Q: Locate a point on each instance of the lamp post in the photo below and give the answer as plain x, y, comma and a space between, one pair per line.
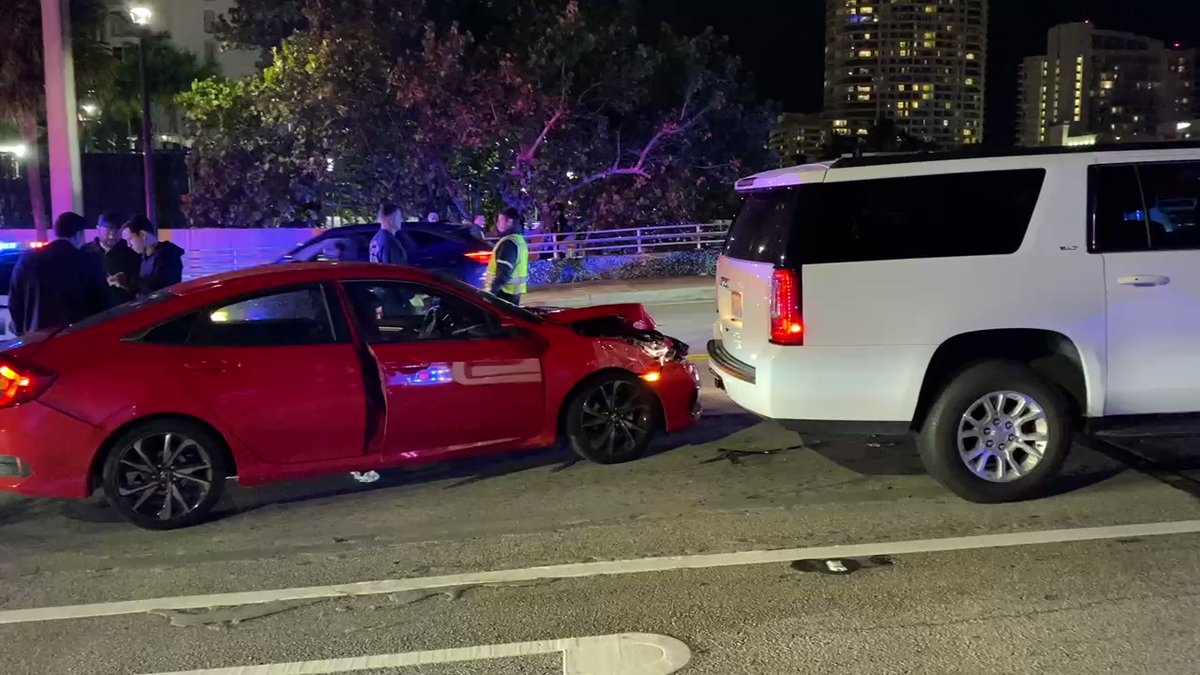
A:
141, 15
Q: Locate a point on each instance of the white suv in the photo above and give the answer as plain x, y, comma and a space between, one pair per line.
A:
989, 304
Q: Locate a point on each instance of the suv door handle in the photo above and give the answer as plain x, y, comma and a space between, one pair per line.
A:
411, 369
207, 365
1144, 280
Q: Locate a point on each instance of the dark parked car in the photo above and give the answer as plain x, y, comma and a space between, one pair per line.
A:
449, 249
8, 260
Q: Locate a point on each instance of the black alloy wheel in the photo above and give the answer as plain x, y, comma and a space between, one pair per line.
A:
165, 474
612, 420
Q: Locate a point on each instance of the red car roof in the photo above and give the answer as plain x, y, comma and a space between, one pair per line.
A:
273, 275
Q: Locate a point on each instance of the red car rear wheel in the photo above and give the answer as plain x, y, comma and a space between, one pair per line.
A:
165, 474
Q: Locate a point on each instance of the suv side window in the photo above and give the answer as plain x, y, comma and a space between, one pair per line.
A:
1117, 210
1172, 195
934, 216
1145, 207
395, 312
282, 318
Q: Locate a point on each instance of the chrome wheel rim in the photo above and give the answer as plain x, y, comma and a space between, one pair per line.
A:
164, 476
1003, 436
617, 417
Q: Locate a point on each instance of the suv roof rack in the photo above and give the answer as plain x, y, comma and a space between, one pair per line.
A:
978, 153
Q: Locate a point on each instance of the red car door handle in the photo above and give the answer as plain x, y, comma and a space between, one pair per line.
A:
408, 370
207, 365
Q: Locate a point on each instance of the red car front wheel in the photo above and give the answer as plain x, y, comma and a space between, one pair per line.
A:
612, 419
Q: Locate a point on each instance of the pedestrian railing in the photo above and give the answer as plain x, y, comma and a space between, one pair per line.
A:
545, 245
628, 241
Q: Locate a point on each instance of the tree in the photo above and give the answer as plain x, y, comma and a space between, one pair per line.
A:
22, 77
170, 71
557, 102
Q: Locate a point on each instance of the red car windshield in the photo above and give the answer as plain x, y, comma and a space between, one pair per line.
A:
502, 305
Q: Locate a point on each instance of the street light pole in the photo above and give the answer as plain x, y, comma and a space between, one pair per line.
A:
141, 16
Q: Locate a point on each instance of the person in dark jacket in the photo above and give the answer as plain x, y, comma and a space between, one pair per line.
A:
162, 261
59, 283
121, 263
391, 244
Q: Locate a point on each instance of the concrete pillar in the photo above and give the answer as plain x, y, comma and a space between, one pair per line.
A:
66, 184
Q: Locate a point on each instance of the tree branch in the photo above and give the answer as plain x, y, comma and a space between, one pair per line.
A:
526, 155
667, 130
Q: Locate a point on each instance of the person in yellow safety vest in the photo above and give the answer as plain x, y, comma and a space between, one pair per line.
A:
508, 272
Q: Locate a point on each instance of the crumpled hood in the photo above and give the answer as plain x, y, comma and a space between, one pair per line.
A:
632, 314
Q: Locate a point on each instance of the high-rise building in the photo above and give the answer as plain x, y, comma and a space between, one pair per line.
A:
1102, 85
797, 138
918, 62
191, 25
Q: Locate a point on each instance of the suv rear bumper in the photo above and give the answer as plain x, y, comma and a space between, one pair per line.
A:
826, 389
739, 369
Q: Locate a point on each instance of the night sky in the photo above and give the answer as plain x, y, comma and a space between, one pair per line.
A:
781, 42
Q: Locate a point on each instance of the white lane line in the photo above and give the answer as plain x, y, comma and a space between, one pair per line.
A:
620, 654
573, 570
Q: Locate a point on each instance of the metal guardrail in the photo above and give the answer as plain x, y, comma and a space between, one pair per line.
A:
625, 241
628, 241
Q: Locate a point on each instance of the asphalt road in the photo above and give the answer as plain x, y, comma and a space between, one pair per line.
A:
950, 602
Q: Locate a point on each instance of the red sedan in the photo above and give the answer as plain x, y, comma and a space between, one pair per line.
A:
295, 371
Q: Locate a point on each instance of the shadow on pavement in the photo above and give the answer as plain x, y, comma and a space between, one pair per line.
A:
1167, 460
462, 472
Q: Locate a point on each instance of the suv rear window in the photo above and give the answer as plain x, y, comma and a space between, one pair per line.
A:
943, 215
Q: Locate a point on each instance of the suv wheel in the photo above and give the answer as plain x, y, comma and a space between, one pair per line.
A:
997, 432
165, 474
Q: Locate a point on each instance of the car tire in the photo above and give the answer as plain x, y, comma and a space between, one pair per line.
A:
612, 419
165, 474
1014, 455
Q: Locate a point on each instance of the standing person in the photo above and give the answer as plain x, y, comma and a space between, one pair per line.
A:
387, 246
58, 284
508, 272
162, 261
479, 231
121, 263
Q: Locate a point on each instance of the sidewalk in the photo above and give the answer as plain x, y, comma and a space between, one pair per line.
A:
645, 291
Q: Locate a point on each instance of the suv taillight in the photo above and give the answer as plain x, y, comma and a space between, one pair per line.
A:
21, 384
787, 326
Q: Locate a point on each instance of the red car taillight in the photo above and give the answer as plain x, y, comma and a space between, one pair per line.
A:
21, 384
787, 326
483, 257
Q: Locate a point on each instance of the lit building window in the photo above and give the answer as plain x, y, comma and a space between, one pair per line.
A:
864, 53
970, 56
902, 87
930, 9
839, 123
927, 87
867, 10
970, 81
902, 105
